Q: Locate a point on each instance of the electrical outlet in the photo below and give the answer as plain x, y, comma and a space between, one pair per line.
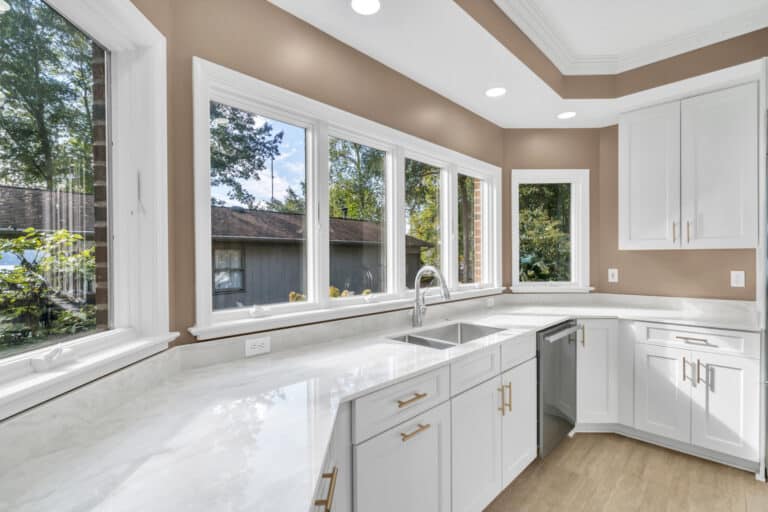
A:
490, 302
613, 275
257, 346
737, 279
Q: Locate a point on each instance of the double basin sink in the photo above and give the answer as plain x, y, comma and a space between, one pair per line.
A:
447, 336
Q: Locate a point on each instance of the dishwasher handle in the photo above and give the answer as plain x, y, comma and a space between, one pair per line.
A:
561, 334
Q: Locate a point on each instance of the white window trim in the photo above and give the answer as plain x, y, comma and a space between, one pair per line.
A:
138, 214
579, 180
217, 83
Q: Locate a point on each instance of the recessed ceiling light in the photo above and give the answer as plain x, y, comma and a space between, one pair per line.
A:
4, 7
363, 7
566, 115
495, 92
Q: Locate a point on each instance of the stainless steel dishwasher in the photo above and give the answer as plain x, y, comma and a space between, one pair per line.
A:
556, 351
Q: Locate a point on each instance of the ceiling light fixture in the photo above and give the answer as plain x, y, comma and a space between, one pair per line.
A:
495, 92
362, 7
4, 7
566, 115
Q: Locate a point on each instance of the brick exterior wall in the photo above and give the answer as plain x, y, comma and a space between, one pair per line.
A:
100, 178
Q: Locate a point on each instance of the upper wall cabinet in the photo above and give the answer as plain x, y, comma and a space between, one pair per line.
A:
688, 173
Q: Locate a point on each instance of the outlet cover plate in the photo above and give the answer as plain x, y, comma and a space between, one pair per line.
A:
257, 346
613, 275
737, 279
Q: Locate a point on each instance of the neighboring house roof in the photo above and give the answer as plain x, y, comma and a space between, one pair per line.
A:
44, 210
242, 224
21, 208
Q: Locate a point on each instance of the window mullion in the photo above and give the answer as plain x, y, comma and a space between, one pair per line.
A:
318, 252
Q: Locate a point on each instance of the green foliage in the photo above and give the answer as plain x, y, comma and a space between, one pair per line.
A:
422, 199
240, 150
356, 188
466, 214
28, 307
45, 121
545, 241
293, 202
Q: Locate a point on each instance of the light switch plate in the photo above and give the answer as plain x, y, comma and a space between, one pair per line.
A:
257, 346
737, 279
613, 275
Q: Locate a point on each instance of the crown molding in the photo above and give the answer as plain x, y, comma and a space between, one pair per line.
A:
534, 23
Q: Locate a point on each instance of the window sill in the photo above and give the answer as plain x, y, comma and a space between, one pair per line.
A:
247, 324
549, 289
86, 360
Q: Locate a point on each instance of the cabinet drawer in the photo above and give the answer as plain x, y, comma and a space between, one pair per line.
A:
518, 350
390, 406
746, 344
475, 368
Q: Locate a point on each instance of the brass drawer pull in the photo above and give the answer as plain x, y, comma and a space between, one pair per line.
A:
694, 341
509, 393
688, 230
674, 232
406, 403
583, 335
685, 363
698, 371
421, 428
327, 503
503, 407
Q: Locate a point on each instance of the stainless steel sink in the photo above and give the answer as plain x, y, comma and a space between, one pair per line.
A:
448, 336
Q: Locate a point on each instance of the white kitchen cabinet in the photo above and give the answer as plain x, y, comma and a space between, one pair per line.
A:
407, 468
334, 491
518, 425
649, 178
688, 173
662, 391
476, 448
597, 371
719, 169
725, 406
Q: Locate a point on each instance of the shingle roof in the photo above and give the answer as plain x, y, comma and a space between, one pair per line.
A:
21, 208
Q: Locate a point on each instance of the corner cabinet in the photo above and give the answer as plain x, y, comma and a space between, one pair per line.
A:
688, 173
597, 362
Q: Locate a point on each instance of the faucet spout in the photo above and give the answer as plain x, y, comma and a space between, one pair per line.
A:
420, 307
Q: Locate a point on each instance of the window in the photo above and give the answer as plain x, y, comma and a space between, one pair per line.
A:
228, 270
258, 196
422, 219
305, 213
470, 224
54, 265
550, 210
357, 222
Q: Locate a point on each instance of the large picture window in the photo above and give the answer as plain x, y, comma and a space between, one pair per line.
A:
258, 199
550, 210
54, 264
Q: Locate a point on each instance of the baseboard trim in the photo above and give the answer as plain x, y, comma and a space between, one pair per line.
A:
689, 449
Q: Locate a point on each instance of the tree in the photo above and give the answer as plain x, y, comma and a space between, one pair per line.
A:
422, 199
356, 188
293, 202
466, 196
545, 242
46, 77
241, 146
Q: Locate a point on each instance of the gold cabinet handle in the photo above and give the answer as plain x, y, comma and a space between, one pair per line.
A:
685, 363
421, 428
327, 503
688, 230
698, 371
406, 403
583, 335
674, 232
503, 407
693, 341
509, 394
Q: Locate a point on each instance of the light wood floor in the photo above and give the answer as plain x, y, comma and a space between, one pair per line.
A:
606, 472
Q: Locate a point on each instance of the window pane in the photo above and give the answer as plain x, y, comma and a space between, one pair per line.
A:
53, 180
357, 229
470, 229
545, 232
422, 218
258, 184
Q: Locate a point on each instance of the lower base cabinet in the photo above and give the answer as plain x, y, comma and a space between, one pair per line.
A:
334, 490
494, 436
407, 468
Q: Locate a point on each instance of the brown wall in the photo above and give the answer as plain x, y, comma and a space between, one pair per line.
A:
701, 273
259, 39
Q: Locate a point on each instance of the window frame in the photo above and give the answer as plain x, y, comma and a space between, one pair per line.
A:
578, 179
213, 82
138, 220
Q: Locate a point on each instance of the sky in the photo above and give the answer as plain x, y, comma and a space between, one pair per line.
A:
290, 167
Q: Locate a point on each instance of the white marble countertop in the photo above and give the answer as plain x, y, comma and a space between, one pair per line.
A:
249, 434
